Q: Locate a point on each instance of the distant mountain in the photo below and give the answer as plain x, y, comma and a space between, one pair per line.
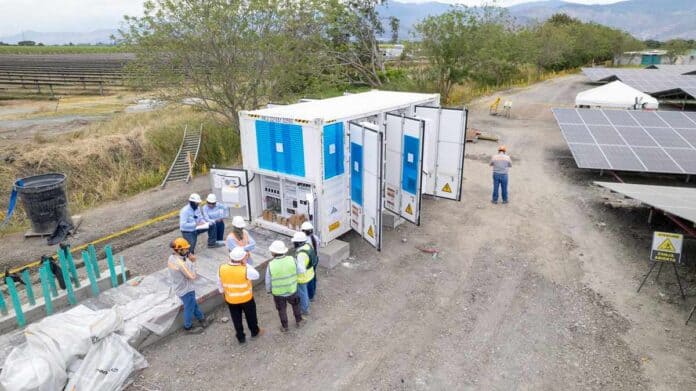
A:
60, 38
645, 19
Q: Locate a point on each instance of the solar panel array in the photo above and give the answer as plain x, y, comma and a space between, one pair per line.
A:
651, 81
643, 141
679, 69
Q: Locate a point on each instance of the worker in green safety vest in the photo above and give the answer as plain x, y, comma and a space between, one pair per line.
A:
281, 281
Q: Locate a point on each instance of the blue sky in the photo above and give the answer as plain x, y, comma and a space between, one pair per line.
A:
88, 15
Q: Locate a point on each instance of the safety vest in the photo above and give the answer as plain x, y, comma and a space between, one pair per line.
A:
283, 276
308, 275
236, 286
241, 243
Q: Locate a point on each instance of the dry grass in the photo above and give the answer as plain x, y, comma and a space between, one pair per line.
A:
110, 160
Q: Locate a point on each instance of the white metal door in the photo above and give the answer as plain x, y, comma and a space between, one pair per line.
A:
366, 163
450, 134
404, 166
230, 186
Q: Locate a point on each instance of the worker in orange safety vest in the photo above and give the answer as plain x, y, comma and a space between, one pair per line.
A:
234, 282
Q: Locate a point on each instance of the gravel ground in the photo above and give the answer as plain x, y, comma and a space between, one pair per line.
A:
537, 294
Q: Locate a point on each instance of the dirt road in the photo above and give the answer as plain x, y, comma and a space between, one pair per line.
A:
537, 294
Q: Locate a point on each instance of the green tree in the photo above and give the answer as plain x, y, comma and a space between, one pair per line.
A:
229, 54
676, 48
394, 25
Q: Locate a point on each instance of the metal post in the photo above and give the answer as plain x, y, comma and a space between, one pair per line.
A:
112, 268
30, 289
3, 305
678, 280
51, 279
95, 262
16, 303
66, 278
90, 274
73, 268
123, 269
690, 315
44, 272
659, 270
646, 276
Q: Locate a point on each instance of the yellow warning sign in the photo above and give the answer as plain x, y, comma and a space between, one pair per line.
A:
334, 226
371, 232
667, 246
409, 210
446, 188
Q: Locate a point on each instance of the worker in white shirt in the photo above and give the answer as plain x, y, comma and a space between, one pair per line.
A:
215, 214
240, 237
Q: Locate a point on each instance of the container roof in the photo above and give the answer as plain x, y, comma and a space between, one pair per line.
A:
346, 107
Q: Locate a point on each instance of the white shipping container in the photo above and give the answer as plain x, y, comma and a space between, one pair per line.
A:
342, 162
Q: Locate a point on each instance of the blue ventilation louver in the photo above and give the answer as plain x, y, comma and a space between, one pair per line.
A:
333, 150
280, 147
409, 175
356, 161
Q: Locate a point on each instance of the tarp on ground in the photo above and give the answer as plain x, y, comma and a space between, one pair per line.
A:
615, 95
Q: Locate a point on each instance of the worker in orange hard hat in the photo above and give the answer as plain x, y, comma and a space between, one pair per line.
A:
182, 272
501, 163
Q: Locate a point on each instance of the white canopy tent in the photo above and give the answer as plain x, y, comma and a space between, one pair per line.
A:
615, 95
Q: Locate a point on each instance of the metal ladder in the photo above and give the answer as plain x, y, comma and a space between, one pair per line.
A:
182, 167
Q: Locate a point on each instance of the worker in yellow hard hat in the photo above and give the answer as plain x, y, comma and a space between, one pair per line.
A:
182, 273
501, 163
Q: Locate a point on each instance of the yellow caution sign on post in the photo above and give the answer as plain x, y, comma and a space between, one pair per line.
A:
409, 210
446, 188
371, 232
666, 247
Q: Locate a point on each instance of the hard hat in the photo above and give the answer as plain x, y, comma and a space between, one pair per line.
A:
238, 253
180, 244
278, 247
211, 198
299, 237
238, 222
502, 148
307, 226
194, 197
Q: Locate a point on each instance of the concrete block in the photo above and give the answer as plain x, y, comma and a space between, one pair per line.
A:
333, 253
390, 220
38, 311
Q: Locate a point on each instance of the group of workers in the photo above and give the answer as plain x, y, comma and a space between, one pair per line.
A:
290, 275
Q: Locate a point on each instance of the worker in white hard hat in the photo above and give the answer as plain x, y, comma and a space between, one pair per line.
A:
240, 237
501, 164
313, 240
281, 281
191, 221
215, 214
305, 256
234, 282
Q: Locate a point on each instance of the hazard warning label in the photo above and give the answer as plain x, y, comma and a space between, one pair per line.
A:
409, 209
371, 232
666, 247
446, 188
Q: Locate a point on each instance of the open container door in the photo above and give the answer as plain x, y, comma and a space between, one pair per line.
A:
404, 166
231, 187
450, 132
366, 161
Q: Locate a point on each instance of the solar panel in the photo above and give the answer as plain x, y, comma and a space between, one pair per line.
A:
679, 201
651, 81
642, 141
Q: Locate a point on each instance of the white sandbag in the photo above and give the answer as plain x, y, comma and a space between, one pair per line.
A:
107, 366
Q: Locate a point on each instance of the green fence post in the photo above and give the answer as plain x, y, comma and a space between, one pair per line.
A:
112, 268
123, 269
3, 305
45, 274
30, 289
16, 303
95, 263
90, 273
51, 278
66, 278
71, 265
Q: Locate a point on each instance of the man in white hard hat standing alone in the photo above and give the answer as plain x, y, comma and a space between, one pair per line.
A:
191, 221
313, 241
239, 237
215, 214
501, 163
281, 281
305, 256
234, 282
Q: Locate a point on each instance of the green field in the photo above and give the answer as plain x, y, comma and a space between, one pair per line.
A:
61, 49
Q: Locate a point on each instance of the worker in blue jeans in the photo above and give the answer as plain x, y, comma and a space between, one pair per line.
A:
501, 163
182, 273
